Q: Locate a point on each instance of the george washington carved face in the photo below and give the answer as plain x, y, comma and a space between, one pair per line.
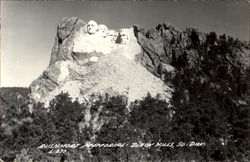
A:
92, 27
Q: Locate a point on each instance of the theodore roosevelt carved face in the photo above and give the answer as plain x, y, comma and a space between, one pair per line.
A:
112, 34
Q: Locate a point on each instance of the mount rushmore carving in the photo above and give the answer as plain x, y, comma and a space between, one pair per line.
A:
90, 60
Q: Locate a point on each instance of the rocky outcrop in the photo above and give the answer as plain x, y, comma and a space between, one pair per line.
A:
88, 59
163, 45
66, 32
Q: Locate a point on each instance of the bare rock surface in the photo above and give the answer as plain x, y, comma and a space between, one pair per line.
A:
163, 45
89, 59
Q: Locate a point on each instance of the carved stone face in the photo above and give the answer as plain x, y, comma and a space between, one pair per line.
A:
124, 36
103, 30
92, 27
112, 35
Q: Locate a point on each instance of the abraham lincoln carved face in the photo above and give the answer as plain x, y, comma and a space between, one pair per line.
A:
124, 36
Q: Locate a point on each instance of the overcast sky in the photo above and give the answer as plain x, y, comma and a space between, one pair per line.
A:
29, 27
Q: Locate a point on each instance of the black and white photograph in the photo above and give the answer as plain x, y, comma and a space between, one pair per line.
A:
125, 81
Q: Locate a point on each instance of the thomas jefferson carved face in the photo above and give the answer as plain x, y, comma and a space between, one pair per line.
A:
124, 36
92, 27
112, 35
103, 30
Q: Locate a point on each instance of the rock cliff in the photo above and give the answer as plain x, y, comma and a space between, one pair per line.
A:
89, 60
